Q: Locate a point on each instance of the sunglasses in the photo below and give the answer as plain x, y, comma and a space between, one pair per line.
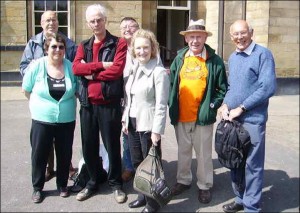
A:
60, 47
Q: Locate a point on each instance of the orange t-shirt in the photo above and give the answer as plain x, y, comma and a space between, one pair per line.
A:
193, 80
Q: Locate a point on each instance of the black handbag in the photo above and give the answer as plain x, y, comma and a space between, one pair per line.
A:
149, 178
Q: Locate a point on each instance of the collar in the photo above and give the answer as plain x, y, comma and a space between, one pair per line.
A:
148, 68
201, 55
248, 50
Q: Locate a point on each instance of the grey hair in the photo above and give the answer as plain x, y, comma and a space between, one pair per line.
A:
93, 7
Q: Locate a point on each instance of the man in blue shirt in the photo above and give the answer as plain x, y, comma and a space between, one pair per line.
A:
34, 50
252, 81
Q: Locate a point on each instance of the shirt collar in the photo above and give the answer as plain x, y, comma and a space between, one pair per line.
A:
201, 55
248, 50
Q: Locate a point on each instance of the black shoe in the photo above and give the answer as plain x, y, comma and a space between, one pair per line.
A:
178, 188
232, 207
63, 192
137, 203
85, 194
37, 196
148, 209
204, 196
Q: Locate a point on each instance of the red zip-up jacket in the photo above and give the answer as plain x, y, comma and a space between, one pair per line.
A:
99, 73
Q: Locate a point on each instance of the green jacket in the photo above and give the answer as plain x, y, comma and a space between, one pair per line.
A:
214, 93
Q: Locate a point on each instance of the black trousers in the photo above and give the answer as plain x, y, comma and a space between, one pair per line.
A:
41, 138
105, 119
139, 146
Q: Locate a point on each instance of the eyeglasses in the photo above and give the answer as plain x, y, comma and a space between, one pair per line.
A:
129, 26
60, 47
49, 20
236, 34
98, 21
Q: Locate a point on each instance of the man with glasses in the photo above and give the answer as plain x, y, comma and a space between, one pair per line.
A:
34, 50
99, 63
252, 82
128, 26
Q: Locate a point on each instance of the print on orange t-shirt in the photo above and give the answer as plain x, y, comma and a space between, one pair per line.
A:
193, 80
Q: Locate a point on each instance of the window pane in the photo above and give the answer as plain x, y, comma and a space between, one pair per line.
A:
62, 5
180, 3
63, 30
37, 18
164, 3
51, 5
62, 18
39, 5
38, 30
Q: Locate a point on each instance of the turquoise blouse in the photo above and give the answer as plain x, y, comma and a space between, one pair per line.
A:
42, 106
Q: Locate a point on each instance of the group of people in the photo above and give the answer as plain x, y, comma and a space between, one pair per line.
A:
124, 92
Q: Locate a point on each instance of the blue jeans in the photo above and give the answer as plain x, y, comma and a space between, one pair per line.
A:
247, 183
126, 154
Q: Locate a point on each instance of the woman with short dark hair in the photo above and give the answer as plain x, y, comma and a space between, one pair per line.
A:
50, 86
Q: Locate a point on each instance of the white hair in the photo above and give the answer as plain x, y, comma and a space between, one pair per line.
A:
94, 7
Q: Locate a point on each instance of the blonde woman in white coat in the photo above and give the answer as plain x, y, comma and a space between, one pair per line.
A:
144, 117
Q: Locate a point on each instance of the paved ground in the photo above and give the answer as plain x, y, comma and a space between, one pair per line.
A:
281, 187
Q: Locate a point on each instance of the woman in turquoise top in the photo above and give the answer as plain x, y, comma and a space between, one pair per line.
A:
50, 86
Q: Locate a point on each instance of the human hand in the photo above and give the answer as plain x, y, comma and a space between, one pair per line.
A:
107, 64
223, 112
124, 129
235, 113
89, 77
155, 138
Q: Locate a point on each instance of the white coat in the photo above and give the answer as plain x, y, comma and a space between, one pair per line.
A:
151, 96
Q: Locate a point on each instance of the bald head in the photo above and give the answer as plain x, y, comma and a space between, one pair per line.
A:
240, 24
241, 34
49, 22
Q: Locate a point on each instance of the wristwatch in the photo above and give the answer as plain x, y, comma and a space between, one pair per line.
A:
243, 107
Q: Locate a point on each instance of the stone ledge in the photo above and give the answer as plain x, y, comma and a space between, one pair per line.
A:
12, 48
287, 86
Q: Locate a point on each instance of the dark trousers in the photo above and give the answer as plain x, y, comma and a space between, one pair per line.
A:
105, 119
139, 145
41, 138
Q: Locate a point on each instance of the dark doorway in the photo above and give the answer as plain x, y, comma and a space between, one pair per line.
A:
169, 24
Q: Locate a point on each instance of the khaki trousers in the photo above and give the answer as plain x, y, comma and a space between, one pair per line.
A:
189, 136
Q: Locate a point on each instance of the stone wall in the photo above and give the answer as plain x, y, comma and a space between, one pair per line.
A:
115, 11
284, 37
13, 23
275, 23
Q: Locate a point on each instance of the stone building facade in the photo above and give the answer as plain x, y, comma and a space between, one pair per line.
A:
275, 24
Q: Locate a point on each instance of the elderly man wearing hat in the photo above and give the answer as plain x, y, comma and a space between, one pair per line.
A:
198, 86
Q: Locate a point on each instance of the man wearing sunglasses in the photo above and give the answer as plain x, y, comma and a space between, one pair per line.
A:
34, 50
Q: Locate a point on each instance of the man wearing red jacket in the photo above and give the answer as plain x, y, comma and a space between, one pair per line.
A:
99, 63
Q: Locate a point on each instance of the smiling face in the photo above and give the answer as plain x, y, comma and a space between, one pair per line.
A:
49, 23
241, 35
56, 50
196, 41
128, 27
142, 49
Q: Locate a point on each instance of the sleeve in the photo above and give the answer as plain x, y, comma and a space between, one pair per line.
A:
26, 58
115, 71
267, 82
221, 85
82, 69
162, 86
29, 77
